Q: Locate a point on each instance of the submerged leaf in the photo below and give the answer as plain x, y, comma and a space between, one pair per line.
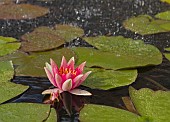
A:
8, 45
26, 112
8, 89
144, 25
21, 11
107, 79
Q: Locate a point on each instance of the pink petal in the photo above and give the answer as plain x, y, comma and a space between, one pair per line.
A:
54, 67
50, 76
58, 80
80, 92
68, 76
84, 77
70, 64
67, 85
76, 80
80, 68
63, 62
49, 91
48, 66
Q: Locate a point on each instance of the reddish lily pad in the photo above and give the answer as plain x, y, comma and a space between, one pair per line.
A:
151, 105
45, 38
8, 45
69, 32
21, 11
107, 79
144, 25
32, 65
27, 112
40, 41
8, 89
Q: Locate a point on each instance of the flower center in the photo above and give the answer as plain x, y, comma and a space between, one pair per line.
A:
66, 71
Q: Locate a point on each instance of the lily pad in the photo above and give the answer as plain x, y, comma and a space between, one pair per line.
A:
26, 112
121, 60
21, 11
163, 15
32, 65
144, 25
167, 1
167, 55
8, 45
8, 89
69, 32
40, 41
107, 79
151, 105
100, 113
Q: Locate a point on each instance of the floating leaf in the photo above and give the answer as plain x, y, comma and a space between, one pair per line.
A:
111, 60
163, 15
8, 89
32, 65
26, 112
167, 49
100, 113
167, 1
151, 105
40, 41
8, 45
106, 79
21, 11
144, 25
167, 55
69, 32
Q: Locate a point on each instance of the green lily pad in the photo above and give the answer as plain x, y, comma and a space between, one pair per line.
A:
26, 112
167, 1
127, 58
32, 65
21, 11
8, 45
8, 89
69, 32
167, 55
151, 105
40, 41
163, 15
100, 113
167, 49
107, 79
144, 25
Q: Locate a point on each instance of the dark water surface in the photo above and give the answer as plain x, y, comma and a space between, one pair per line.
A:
96, 17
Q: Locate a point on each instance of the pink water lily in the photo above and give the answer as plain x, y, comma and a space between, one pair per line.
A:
66, 77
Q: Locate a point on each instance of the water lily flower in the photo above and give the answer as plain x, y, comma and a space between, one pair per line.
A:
66, 77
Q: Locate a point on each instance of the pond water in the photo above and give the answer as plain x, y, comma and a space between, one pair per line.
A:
95, 17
